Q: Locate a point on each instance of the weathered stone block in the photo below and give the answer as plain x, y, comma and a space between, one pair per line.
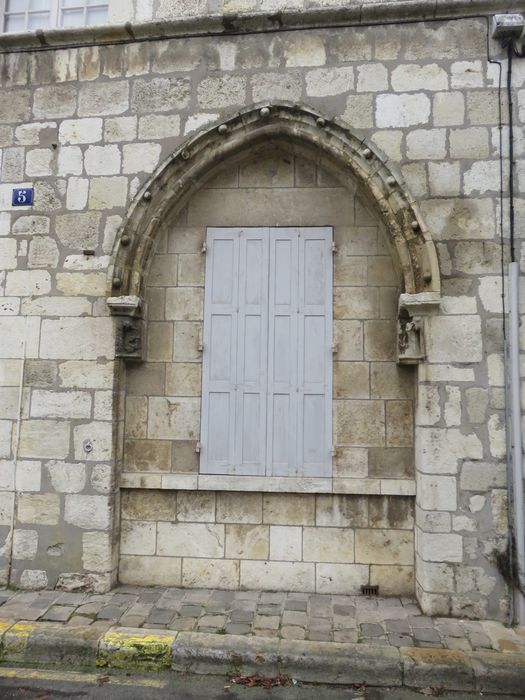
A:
439, 547
356, 303
121, 129
211, 573
437, 492
393, 580
439, 449
67, 477
97, 551
108, 192
304, 50
359, 423
54, 404
402, 110
413, 77
102, 160
288, 509
482, 476
55, 101
183, 379
267, 87
101, 98
384, 547
334, 544
39, 162
44, 438
25, 544
277, 576
141, 157
138, 537
196, 507
426, 144
28, 283
454, 339
176, 418
247, 542
74, 131
399, 423
330, 81
190, 539
184, 303
86, 374
77, 338
93, 441
160, 95
38, 509
234, 507
28, 476
139, 504
396, 512
341, 511
88, 512
286, 543
150, 571
351, 380
342, 579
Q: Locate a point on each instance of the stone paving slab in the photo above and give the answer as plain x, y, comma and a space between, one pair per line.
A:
387, 622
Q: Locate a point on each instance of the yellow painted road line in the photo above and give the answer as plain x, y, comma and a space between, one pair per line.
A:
78, 677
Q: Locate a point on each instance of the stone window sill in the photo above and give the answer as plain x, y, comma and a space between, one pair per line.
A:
208, 482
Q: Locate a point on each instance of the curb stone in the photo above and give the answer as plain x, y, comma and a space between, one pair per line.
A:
136, 649
435, 668
130, 649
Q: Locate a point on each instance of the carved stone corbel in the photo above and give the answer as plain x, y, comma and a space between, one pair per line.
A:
412, 310
127, 311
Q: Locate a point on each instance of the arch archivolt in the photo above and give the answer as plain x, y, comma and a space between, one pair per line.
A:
304, 131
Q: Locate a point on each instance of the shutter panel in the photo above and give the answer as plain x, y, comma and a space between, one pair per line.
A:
314, 357
219, 352
282, 355
252, 352
300, 358
233, 433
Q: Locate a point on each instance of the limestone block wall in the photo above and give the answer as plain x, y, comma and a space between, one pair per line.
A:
297, 542
88, 125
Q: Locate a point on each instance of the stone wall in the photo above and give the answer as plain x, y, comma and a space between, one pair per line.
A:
87, 126
323, 543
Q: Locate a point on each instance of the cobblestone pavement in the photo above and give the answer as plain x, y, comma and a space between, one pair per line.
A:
355, 619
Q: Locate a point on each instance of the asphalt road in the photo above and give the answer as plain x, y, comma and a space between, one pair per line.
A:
33, 684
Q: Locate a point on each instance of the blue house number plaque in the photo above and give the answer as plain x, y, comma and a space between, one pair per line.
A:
22, 197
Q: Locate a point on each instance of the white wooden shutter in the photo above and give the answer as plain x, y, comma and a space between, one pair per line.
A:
300, 359
314, 355
267, 364
252, 353
282, 354
233, 432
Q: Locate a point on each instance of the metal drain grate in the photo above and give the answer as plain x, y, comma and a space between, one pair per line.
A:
370, 590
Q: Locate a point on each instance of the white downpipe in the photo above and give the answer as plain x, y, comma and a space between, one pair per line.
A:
517, 441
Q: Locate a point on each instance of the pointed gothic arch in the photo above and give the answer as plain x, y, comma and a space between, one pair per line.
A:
331, 144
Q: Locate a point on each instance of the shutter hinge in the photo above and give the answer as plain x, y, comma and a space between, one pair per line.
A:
204, 248
334, 248
333, 451
335, 348
200, 347
198, 447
